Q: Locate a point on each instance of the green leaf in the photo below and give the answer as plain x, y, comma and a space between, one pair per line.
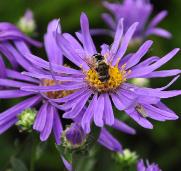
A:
18, 165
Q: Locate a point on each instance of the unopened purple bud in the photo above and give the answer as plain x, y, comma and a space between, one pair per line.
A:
75, 135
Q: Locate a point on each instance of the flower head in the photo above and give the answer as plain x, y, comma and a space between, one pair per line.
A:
135, 11
114, 89
148, 167
12, 82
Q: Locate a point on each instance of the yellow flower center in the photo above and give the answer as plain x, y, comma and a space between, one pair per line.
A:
116, 78
55, 94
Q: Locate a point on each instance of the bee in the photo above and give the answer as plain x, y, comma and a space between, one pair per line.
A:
141, 111
101, 67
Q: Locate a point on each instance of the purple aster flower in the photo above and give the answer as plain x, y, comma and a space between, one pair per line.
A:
106, 87
47, 119
149, 167
134, 11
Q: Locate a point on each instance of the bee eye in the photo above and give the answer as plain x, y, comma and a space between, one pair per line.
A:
98, 57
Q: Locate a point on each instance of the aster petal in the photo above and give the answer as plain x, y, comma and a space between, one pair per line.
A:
107, 140
78, 106
165, 73
46, 65
52, 88
125, 42
146, 62
77, 93
157, 19
135, 58
118, 104
57, 127
159, 32
6, 94
11, 34
10, 50
139, 119
117, 37
76, 45
67, 165
109, 20
121, 126
48, 76
151, 92
148, 69
9, 56
53, 51
18, 108
3, 68
70, 52
87, 40
40, 120
166, 114
7, 125
12, 83
164, 107
45, 133
18, 76
88, 115
99, 111
108, 111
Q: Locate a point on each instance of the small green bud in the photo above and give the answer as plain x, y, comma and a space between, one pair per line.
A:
126, 158
27, 23
142, 82
26, 120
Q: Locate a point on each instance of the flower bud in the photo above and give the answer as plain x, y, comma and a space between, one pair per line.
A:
26, 120
74, 136
127, 157
27, 23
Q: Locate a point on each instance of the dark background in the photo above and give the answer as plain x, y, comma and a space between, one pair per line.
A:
162, 144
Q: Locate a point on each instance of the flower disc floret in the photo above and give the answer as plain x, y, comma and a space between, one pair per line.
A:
117, 77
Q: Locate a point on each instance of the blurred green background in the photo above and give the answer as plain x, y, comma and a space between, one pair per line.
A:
161, 145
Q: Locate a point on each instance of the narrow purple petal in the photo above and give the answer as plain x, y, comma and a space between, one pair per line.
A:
78, 106
159, 32
125, 42
40, 120
2, 68
139, 119
107, 140
57, 127
67, 165
19, 76
7, 125
98, 111
109, 20
18, 108
108, 111
117, 37
88, 115
53, 51
45, 133
148, 69
6, 94
157, 19
87, 40
135, 58
121, 126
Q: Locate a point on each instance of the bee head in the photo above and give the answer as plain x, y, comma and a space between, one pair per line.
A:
98, 57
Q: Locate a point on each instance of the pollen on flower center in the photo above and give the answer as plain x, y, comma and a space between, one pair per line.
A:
55, 94
116, 78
